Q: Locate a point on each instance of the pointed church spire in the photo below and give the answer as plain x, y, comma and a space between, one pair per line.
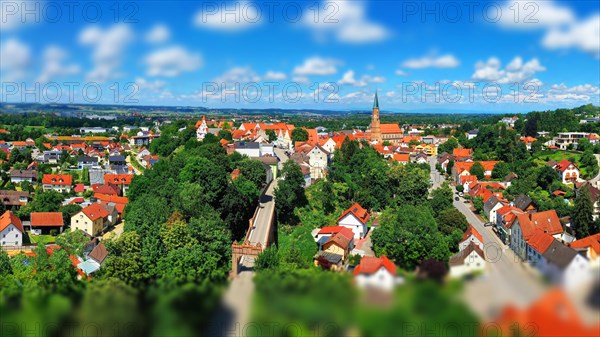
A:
376, 101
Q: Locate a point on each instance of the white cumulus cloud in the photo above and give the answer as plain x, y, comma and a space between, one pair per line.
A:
16, 59
584, 35
54, 57
172, 61
317, 66
108, 48
347, 21
515, 71
274, 76
444, 61
158, 34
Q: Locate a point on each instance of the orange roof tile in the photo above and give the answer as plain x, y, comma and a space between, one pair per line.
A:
540, 241
9, 218
57, 179
47, 219
118, 179
95, 212
360, 213
472, 231
371, 264
592, 241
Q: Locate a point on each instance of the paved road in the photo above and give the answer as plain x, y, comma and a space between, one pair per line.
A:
128, 161
594, 181
436, 177
264, 217
509, 279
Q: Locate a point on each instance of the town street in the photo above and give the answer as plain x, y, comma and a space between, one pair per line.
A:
507, 280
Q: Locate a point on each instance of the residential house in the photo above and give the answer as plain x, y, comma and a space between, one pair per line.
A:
402, 158
356, 219
118, 202
11, 230
492, 205
318, 159
271, 165
505, 217
201, 129
335, 250
537, 246
467, 261
84, 162
14, 199
420, 158
528, 141
95, 259
121, 180
509, 121
472, 133
254, 149
565, 266
568, 172
376, 273
462, 154
57, 182
19, 176
107, 189
464, 168
524, 226
91, 220
524, 203
564, 139
590, 248
325, 233
471, 236
44, 222
116, 161
52, 157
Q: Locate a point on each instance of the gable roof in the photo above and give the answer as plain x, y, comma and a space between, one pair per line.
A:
459, 258
118, 179
360, 213
547, 221
99, 253
108, 189
345, 231
57, 179
120, 202
553, 315
9, 218
592, 241
340, 240
371, 264
563, 165
95, 212
462, 152
540, 241
559, 254
390, 128
472, 231
47, 219
522, 201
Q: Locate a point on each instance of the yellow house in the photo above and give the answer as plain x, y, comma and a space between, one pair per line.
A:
428, 149
90, 220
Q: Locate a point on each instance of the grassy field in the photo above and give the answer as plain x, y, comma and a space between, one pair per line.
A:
543, 157
44, 239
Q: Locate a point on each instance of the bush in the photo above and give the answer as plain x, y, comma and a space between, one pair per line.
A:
460, 188
53, 232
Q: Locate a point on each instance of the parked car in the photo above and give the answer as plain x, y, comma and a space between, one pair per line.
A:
487, 224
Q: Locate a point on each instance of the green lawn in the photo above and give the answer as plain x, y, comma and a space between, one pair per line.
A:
44, 239
543, 157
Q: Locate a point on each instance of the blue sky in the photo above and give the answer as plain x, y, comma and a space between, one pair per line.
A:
482, 56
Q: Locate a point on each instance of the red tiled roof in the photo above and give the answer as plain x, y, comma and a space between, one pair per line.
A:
592, 241
472, 231
77, 201
487, 165
57, 179
95, 211
47, 219
10, 218
390, 128
120, 202
345, 231
547, 221
360, 213
553, 315
540, 241
118, 179
401, 157
469, 178
108, 189
79, 188
458, 152
563, 165
370, 265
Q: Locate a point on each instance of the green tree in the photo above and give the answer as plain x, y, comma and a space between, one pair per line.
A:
299, 135
449, 167
406, 244
441, 198
500, 170
546, 177
583, 214
289, 193
448, 146
452, 219
124, 261
73, 242
272, 135
254, 171
224, 134
5, 268
269, 258
478, 170
478, 204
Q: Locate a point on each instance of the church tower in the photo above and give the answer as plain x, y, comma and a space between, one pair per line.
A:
375, 127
